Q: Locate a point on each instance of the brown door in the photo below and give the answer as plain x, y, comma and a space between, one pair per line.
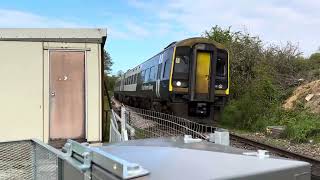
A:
67, 102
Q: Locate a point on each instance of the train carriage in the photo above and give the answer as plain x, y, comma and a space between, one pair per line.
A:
189, 78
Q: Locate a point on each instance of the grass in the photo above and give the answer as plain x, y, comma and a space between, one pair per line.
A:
301, 126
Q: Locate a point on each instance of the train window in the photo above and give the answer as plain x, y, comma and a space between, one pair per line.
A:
167, 56
132, 79
159, 71
135, 78
152, 73
146, 76
142, 75
221, 66
181, 63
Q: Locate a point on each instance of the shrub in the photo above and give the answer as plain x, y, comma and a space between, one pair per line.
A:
253, 109
261, 78
302, 126
315, 57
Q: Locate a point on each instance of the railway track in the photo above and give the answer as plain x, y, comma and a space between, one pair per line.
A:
315, 164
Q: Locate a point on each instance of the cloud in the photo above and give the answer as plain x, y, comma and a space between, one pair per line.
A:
275, 20
14, 18
137, 30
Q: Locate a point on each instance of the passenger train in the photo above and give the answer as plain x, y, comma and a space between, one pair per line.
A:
189, 78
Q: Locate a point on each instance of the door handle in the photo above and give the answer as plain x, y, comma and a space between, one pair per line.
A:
53, 94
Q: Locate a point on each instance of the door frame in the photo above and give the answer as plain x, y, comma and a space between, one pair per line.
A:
85, 87
213, 56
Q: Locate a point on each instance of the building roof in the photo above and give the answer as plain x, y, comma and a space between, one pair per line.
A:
72, 35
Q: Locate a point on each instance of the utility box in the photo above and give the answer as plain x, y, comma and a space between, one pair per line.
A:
51, 84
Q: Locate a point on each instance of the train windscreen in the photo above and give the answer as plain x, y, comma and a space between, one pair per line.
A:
181, 67
222, 70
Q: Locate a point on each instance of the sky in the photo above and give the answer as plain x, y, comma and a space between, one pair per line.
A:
138, 29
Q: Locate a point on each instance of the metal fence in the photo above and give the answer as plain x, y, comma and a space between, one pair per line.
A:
34, 160
137, 123
27, 160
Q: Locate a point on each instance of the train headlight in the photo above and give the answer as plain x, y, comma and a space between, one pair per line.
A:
220, 86
180, 84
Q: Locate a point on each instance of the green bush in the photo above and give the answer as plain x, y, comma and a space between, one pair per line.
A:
262, 77
301, 126
315, 57
253, 110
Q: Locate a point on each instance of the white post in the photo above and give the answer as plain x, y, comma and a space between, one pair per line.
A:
221, 136
124, 133
110, 130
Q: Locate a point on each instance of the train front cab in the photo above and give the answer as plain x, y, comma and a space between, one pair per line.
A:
199, 80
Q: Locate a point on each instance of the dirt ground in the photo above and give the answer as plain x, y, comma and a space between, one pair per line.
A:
307, 95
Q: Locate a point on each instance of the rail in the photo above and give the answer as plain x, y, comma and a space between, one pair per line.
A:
315, 164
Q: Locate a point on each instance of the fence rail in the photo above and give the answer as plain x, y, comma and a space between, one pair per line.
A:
134, 123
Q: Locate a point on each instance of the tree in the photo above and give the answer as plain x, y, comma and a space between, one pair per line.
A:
315, 56
260, 76
107, 62
119, 73
245, 52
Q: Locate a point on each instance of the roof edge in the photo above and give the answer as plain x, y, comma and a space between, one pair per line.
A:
93, 35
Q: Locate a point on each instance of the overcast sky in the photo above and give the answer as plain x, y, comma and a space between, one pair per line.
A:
139, 29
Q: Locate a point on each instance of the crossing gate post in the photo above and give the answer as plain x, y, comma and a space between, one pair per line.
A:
123, 122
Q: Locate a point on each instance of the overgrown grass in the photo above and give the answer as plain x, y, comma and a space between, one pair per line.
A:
301, 126
251, 115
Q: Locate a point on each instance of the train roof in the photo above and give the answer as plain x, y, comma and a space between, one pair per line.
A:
195, 40
185, 42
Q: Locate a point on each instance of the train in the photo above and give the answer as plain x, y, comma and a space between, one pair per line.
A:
189, 78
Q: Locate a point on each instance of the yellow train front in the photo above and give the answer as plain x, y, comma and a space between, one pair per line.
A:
189, 78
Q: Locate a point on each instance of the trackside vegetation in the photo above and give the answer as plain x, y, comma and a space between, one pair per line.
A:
262, 77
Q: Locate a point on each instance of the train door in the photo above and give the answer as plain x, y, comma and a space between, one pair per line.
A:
203, 73
67, 95
159, 75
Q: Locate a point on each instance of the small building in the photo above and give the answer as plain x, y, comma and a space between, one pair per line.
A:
51, 84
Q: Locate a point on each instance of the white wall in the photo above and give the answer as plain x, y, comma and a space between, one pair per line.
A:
24, 89
21, 84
